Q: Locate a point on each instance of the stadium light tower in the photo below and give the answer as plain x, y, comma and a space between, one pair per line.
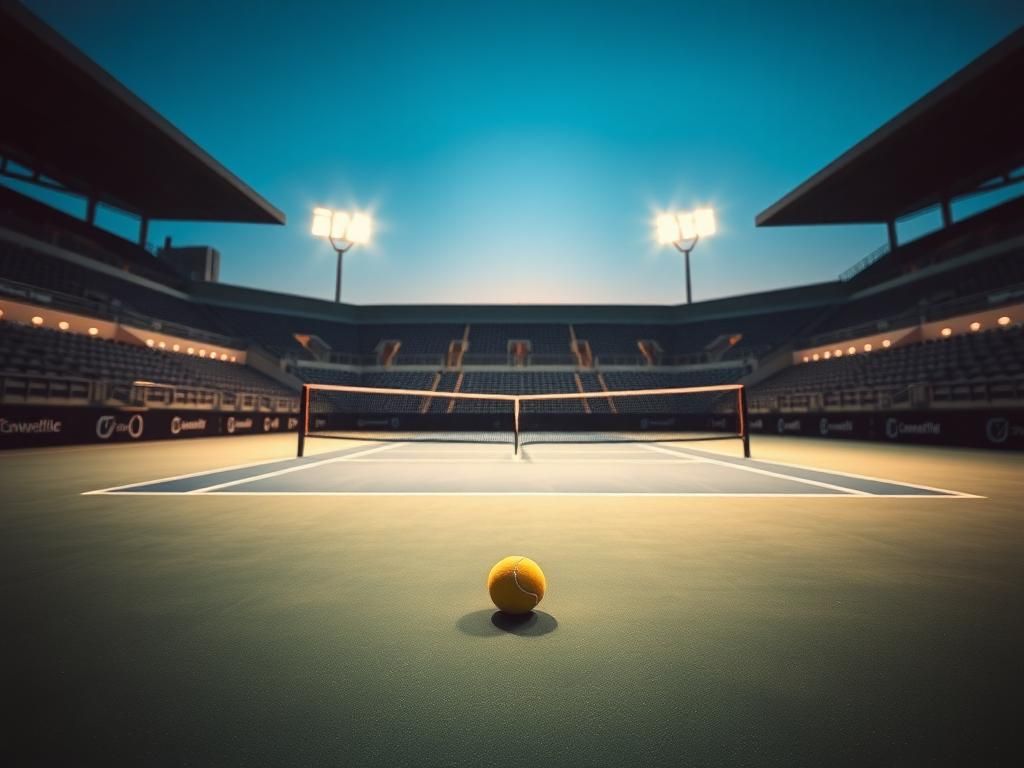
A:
342, 230
684, 229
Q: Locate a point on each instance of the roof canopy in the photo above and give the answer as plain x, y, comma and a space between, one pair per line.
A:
68, 119
966, 131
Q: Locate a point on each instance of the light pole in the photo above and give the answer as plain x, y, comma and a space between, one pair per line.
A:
684, 229
342, 230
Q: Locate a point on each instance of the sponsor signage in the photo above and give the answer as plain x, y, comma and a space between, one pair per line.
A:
120, 426
42, 426
184, 425
940, 427
26, 426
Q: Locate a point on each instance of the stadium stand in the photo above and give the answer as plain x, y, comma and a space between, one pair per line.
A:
427, 342
608, 341
27, 352
49, 260
113, 296
979, 367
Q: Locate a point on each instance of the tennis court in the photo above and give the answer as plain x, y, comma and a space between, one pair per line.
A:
551, 466
331, 610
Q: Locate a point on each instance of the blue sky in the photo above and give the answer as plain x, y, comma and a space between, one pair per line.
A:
517, 152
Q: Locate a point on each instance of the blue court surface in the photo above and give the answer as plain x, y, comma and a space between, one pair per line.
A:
541, 469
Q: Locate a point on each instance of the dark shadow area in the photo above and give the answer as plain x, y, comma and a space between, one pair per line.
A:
491, 623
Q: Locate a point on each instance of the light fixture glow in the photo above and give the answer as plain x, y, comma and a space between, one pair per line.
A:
339, 225
191, 350
946, 331
806, 358
704, 221
202, 353
149, 342
851, 350
975, 326
233, 359
360, 229
63, 325
162, 345
816, 356
886, 343
838, 353
867, 347
827, 355
321, 222
1004, 320
37, 320
94, 331
668, 229
687, 226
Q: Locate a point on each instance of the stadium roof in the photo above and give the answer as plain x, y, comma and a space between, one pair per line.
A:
68, 119
961, 134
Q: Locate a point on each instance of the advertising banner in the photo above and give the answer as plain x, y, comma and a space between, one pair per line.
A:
982, 429
27, 426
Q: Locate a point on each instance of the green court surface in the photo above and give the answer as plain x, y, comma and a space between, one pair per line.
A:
293, 629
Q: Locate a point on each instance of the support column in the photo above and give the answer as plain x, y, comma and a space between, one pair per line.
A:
890, 228
689, 296
143, 230
90, 210
337, 283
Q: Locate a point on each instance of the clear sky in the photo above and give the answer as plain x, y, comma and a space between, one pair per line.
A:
517, 151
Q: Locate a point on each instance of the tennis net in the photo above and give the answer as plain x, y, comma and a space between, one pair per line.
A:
645, 415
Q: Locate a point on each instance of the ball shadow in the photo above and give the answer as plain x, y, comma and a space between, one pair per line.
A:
491, 623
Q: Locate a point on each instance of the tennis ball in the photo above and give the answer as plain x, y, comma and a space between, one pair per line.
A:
516, 584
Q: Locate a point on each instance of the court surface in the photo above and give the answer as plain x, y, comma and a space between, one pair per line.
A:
797, 625
542, 468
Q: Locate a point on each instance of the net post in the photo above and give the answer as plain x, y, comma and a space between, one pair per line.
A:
303, 419
741, 395
515, 431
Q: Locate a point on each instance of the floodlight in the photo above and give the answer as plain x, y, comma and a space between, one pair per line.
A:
343, 229
668, 229
683, 229
704, 221
687, 226
360, 229
321, 222
339, 225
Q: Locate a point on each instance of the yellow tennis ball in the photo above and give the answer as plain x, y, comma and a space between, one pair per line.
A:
516, 584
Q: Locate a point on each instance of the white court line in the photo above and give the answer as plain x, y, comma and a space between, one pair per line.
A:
185, 477
289, 470
611, 494
769, 473
500, 462
875, 479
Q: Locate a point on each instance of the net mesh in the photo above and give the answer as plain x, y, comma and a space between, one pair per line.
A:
381, 414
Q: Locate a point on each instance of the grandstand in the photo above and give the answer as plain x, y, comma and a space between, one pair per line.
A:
93, 321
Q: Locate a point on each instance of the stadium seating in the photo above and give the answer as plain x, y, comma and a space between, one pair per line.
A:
980, 366
43, 352
617, 340
529, 383
417, 341
122, 299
